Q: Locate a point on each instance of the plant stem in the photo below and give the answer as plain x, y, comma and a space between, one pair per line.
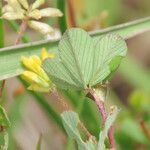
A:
101, 106
145, 129
1, 45
111, 138
23, 28
71, 14
61, 4
2, 87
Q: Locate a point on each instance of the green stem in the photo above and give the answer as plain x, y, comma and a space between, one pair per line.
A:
61, 4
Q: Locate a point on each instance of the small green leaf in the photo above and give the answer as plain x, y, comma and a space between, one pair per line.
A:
103, 134
70, 122
84, 61
4, 121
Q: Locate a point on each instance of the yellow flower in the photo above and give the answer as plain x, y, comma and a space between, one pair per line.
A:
45, 54
21, 10
34, 74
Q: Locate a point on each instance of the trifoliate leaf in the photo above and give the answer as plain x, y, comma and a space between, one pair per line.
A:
70, 122
51, 12
37, 4
83, 61
41, 27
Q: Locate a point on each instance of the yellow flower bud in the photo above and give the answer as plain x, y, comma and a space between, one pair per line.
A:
33, 63
33, 78
35, 75
35, 87
45, 54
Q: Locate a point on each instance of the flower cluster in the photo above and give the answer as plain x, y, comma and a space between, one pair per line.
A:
35, 75
21, 10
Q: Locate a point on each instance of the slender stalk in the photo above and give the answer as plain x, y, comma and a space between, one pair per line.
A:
101, 106
145, 129
23, 28
2, 87
1, 29
71, 14
111, 138
1, 46
61, 4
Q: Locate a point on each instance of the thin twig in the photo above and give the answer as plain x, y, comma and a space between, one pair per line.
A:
71, 14
2, 87
66, 107
145, 129
23, 28
111, 138
101, 106
85, 130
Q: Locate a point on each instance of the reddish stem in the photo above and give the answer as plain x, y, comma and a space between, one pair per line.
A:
111, 138
71, 15
2, 87
23, 27
101, 106
145, 129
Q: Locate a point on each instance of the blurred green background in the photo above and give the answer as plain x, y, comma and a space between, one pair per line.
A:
129, 89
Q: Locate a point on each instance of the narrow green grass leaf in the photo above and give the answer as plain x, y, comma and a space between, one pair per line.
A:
1, 30
61, 4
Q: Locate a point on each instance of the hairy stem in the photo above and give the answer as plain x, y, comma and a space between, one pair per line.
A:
101, 106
